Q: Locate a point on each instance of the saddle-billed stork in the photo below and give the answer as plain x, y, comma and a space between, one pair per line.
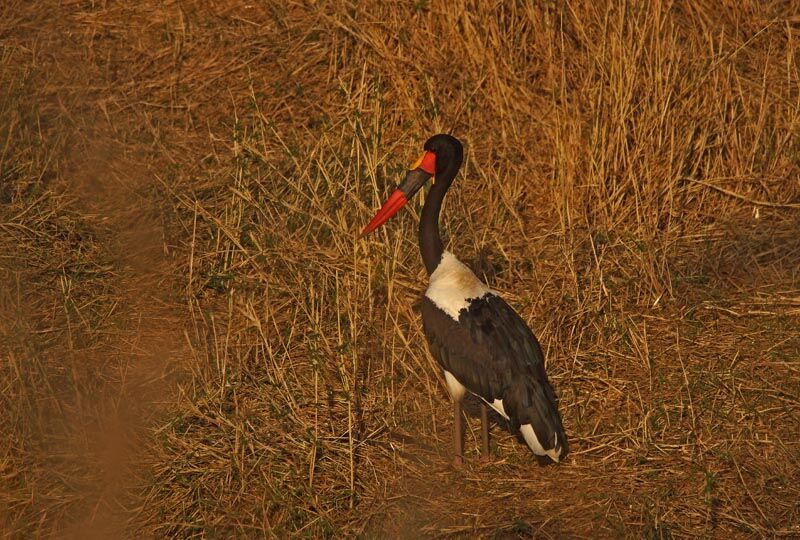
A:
480, 342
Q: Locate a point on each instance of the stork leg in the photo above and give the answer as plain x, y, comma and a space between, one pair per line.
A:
485, 431
458, 433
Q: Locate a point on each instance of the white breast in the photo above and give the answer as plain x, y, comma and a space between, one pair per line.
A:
453, 285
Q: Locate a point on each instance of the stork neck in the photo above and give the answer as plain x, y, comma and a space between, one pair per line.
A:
430, 242
449, 156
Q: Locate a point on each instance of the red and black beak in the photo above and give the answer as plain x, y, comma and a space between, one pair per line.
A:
422, 171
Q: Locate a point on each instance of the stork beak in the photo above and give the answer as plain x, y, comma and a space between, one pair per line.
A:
412, 183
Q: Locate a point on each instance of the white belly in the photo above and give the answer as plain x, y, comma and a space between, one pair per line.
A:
457, 390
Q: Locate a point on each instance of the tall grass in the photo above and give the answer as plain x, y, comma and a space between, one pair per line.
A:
630, 186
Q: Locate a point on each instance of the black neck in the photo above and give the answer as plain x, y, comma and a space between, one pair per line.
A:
430, 242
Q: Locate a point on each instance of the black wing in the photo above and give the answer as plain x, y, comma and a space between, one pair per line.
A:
492, 352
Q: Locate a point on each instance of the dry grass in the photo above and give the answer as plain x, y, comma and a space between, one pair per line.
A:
196, 344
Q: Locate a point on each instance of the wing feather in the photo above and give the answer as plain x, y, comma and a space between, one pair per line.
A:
494, 354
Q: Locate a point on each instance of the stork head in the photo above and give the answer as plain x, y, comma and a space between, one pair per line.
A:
440, 160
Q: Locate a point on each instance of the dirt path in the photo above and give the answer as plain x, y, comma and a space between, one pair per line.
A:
148, 346
95, 299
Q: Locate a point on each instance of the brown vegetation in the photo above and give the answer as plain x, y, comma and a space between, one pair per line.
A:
195, 343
